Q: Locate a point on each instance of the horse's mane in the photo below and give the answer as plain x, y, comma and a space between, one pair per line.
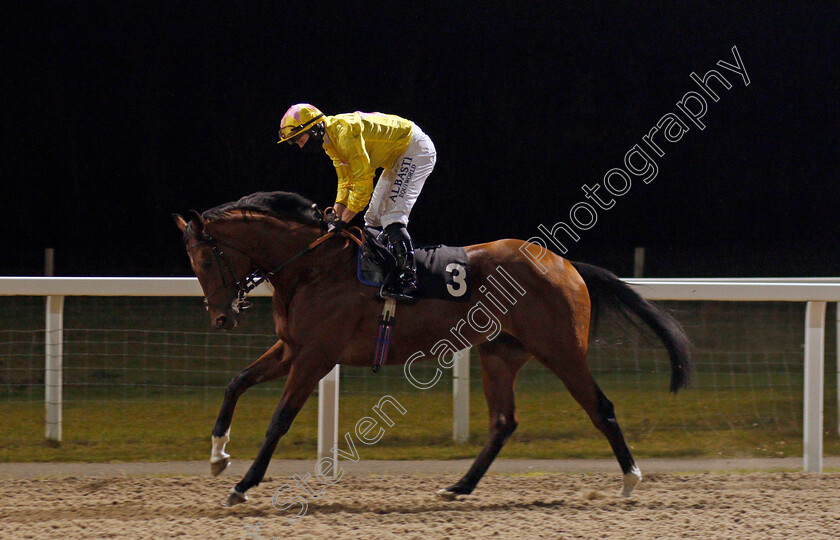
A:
278, 204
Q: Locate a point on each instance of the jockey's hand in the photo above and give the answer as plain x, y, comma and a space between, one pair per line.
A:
336, 226
331, 215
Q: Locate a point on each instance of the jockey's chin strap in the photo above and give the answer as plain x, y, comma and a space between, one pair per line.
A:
257, 276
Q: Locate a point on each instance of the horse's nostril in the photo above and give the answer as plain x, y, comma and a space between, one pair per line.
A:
221, 321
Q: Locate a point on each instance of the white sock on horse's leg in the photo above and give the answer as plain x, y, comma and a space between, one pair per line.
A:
631, 480
218, 452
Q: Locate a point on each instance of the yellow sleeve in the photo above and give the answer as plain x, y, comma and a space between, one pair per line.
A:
360, 195
343, 183
355, 174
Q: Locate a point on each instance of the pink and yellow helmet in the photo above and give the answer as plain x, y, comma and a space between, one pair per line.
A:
299, 119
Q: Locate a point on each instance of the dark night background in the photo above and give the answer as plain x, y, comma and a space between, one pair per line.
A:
117, 114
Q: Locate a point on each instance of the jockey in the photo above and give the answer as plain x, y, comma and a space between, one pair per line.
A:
359, 143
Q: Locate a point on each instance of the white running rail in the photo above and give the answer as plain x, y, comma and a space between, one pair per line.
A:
815, 291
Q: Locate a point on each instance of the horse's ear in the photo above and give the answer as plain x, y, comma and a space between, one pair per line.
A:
179, 221
196, 222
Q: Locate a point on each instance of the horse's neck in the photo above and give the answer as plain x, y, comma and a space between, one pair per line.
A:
271, 243
265, 243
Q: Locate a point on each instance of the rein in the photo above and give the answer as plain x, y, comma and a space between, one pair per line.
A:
257, 276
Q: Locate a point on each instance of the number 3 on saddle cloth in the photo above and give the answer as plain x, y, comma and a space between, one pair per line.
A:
442, 274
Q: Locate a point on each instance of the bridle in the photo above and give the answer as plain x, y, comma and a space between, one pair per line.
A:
243, 286
256, 276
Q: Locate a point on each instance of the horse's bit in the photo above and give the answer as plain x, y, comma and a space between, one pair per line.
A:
243, 286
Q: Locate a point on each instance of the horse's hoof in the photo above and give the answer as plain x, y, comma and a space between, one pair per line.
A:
446, 494
631, 480
234, 498
452, 493
219, 467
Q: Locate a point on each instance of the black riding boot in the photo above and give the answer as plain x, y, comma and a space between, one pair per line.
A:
400, 243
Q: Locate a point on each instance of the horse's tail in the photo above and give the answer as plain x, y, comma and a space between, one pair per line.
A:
604, 286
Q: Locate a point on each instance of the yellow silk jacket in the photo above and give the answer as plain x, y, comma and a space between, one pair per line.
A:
358, 143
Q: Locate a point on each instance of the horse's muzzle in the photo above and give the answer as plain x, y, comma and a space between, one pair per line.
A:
224, 321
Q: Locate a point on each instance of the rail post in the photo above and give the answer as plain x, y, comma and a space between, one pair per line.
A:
461, 397
639, 262
53, 340
328, 418
812, 421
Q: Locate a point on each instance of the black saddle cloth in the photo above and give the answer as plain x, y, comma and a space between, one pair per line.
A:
442, 271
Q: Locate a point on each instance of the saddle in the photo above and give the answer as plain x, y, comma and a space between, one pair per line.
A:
442, 271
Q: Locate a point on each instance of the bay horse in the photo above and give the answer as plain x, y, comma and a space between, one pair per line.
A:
323, 316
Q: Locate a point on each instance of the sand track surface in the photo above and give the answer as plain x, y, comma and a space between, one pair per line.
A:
374, 505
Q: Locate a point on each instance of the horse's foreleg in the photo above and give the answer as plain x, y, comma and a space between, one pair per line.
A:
267, 368
302, 380
501, 360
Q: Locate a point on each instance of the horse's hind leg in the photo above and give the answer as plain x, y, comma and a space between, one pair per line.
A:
575, 374
501, 360
267, 368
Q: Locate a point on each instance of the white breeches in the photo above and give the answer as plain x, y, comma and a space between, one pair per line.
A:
397, 189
